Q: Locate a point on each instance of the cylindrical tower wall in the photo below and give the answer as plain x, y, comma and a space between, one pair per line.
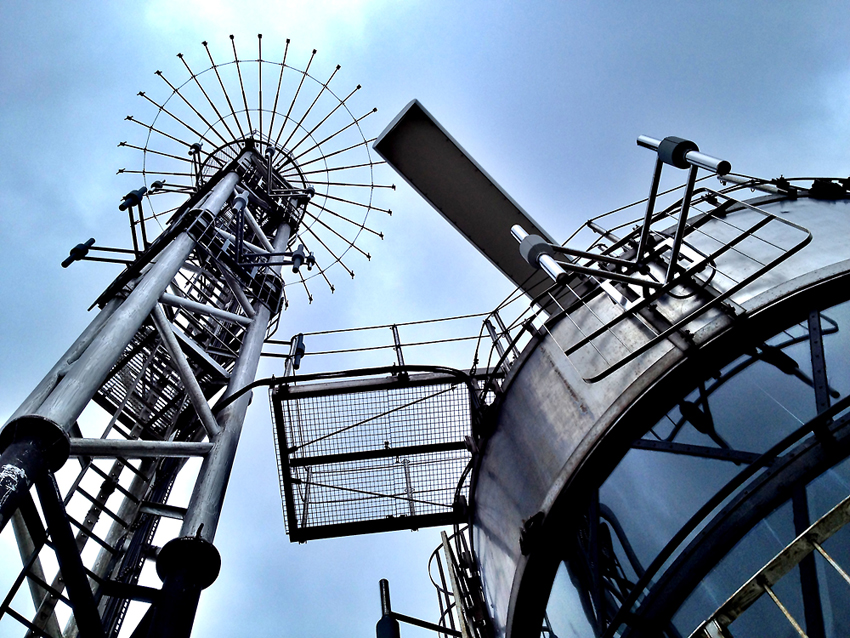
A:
566, 422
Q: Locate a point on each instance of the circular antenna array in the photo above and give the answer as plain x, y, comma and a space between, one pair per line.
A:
310, 132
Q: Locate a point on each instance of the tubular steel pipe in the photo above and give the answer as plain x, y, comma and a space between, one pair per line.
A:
239, 293
386, 607
52, 378
205, 504
204, 309
694, 158
190, 563
544, 260
184, 370
37, 442
387, 626
108, 448
74, 392
682, 225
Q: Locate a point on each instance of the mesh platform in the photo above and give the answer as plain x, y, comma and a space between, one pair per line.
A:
371, 455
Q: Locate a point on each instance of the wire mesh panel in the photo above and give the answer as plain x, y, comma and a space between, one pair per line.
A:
372, 455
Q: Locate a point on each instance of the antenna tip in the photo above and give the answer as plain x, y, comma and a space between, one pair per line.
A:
260, 36
314, 51
204, 43
141, 93
232, 37
180, 55
287, 40
338, 67
157, 72
359, 87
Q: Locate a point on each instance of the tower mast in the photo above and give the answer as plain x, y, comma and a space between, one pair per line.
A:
178, 337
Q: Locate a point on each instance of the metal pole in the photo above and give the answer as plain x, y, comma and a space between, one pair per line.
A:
52, 378
450, 566
387, 626
683, 223
205, 504
204, 309
184, 370
109, 448
650, 209
191, 563
36, 443
386, 607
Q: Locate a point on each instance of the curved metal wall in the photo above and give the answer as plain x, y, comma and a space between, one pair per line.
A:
557, 432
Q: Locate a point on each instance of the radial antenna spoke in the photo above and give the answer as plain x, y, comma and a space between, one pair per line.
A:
176, 91
204, 92
156, 130
241, 84
356, 203
148, 150
325, 119
354, 246
304, 76
325, 209
333, 135
277, 93
341, 168
339, 152
174, 117
312, 104
223, 90
260, 81
337, 258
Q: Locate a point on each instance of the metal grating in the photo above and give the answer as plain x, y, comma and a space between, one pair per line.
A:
371, 455
725, 248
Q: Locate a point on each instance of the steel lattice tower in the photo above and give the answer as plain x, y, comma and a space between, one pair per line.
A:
240, 187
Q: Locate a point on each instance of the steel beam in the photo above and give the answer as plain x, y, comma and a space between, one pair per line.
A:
191, 563
184, 370
37, 442
204, 309
109, 448
70, 563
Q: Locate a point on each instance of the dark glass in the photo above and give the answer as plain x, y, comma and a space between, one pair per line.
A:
737, 413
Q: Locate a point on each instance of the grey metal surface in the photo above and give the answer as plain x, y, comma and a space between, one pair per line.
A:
138, 449
141, 377
187, 376
76, 389
375, 453
212, 311
204, 508
552, 419
440, 170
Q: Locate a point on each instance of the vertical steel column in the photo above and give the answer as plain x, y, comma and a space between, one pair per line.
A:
52, 378
191, 563
35, 443
387, 626
208, 496
683, 223
650, 209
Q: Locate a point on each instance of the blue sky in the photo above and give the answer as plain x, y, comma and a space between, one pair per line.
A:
547, 96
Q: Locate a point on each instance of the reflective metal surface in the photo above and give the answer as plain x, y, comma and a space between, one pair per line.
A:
562, 428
